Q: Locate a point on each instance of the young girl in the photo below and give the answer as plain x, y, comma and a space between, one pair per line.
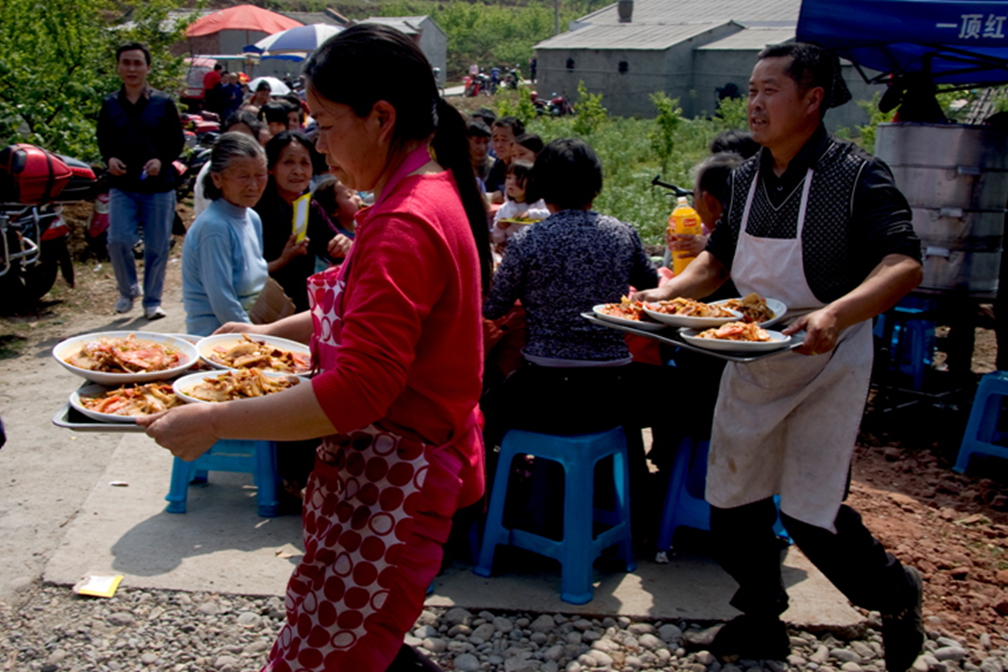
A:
340, 204
516, 207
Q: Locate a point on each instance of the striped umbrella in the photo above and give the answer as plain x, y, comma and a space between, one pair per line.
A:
294, 40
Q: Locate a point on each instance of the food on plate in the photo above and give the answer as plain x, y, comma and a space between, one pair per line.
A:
133, 401
250, 353
125, 355
736, 331
626, 308
243, 384
689, 308
753, 308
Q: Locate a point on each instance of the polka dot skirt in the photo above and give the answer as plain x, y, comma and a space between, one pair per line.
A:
377, 509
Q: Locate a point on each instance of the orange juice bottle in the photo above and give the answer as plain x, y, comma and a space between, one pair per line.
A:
684, 219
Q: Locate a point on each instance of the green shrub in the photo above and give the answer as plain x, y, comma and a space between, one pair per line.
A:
590, 114
662, 136
875, 117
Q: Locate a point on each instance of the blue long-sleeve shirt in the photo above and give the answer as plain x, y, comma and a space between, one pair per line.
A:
223, 269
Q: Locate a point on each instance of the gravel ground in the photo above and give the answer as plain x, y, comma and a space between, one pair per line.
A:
51, 630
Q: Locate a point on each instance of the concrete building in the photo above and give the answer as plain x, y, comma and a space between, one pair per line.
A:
432, 40
693, 50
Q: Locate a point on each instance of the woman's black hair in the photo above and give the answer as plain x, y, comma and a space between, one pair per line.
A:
371, 52
567, 173
275, 147
530, 141
228, 147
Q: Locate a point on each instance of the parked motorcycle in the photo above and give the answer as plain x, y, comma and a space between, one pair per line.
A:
512, 79
33, 234
560, 106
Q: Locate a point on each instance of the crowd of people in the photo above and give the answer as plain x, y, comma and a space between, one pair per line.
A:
448, 312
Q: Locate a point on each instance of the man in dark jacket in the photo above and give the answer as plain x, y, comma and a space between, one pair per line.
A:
139, 135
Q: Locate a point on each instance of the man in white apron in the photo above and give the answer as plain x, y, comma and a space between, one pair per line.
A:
819, 224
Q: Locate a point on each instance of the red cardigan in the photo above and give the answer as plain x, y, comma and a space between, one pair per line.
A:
411, 349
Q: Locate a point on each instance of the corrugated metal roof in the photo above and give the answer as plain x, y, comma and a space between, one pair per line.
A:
745, 12
308, 18
640, 36
751, 39
407, 24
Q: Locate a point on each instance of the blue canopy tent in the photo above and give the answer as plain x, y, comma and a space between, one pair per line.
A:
953, 42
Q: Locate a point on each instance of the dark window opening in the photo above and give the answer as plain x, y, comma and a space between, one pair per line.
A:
623, 66
570, 63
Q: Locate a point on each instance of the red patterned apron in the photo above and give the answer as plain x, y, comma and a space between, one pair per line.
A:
377, 511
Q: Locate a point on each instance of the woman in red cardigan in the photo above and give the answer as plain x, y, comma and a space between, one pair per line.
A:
397, 339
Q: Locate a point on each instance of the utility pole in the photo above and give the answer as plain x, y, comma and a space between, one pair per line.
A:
556, 17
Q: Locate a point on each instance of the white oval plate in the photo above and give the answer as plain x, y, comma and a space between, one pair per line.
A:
227, 341
97, 391
71, 345
779, 309
776, 342
691, 322
186, 383
636, 324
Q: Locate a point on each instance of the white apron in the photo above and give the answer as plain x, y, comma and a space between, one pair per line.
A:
787, 424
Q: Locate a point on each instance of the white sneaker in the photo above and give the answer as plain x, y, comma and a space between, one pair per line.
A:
124, 304
155, 313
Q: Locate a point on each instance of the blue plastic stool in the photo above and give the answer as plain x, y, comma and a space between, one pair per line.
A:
578, 549
247, 457
981, 430
685, 505
909, 336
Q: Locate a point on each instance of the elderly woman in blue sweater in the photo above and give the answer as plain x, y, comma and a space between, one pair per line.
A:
223, 269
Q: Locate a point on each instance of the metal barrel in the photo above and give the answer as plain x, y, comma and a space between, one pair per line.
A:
955, 178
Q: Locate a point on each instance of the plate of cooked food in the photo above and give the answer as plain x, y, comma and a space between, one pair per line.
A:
124, 403
246, 351
232, 385
122, 357
627, 313
680, 312
755, 308
736, 337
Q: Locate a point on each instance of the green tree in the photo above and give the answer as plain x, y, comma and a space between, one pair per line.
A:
875, 117
733, 112
663, 135
591, 115
56, 64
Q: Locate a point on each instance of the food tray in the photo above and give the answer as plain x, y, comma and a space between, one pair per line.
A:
671, 337
67, 418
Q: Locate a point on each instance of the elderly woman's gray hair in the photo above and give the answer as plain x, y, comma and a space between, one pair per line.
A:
229, 147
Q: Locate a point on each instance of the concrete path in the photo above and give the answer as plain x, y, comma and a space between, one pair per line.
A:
61, 518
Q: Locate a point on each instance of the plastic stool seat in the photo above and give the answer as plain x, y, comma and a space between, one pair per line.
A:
910, 337
247, 457
981, 429
577, 551
685, 505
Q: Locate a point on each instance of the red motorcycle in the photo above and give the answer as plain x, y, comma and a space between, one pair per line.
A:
33, 234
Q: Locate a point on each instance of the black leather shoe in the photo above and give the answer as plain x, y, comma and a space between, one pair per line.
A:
903, 631
752, 638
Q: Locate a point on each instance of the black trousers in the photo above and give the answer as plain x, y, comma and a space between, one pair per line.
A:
852, 559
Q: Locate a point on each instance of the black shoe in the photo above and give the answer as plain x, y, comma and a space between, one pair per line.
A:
903, 631
751, 638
